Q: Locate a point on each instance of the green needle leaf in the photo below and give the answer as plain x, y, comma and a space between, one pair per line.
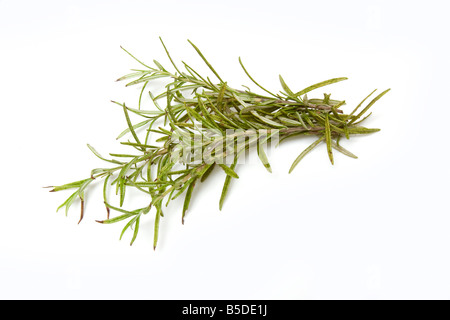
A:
305, 152
319, 85
286, 88
168, 55
71, 185
266, 120
68, 202
136, 126
229, 170
342, 150
206, 61
135, 58
156, 229
328, 138
100, 157
187, 199
117, 219
207, 172
136, 230
130, 125
227, 184
263, 157
360, 104
369, 105
246, 72
129, 224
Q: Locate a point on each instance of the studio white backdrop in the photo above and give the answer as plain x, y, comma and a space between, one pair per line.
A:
372, 228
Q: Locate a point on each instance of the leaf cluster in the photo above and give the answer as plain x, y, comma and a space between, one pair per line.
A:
190, 106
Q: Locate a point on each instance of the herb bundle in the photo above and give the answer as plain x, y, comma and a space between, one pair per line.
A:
202, 125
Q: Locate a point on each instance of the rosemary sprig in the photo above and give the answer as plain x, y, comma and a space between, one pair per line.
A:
204, 123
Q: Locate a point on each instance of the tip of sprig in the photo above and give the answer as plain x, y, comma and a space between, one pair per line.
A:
99, 221
53, 190
82, 211
118, 103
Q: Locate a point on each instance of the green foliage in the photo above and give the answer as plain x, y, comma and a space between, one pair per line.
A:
201, 113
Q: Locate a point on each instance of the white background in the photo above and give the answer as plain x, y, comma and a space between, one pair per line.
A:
372, 228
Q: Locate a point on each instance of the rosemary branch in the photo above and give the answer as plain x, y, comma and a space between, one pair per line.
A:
202, 126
